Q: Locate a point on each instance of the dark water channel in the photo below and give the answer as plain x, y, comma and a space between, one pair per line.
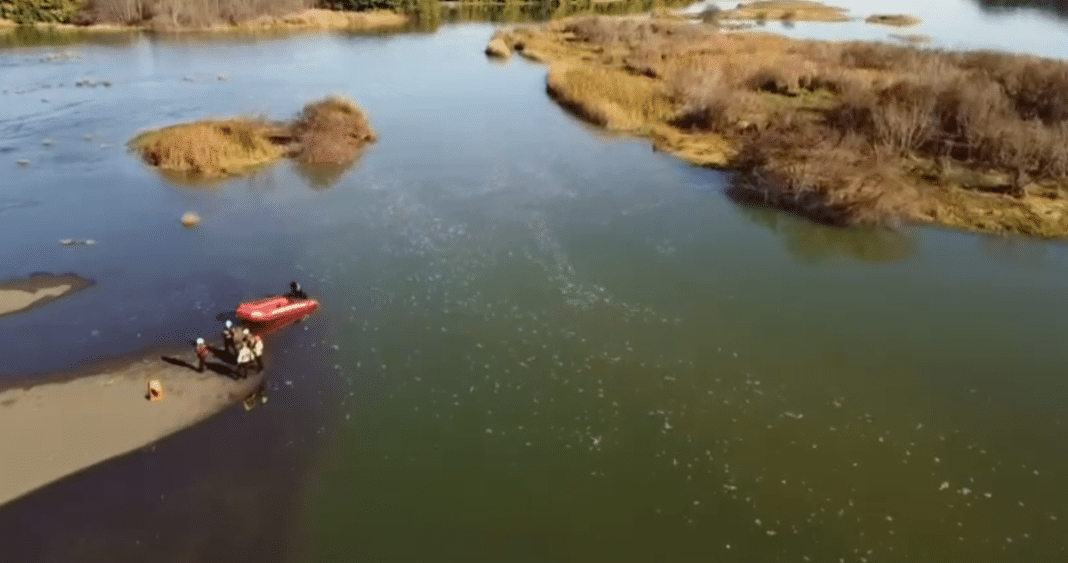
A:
536, 343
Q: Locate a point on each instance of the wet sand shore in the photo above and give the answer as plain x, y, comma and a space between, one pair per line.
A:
23, 294
54, 429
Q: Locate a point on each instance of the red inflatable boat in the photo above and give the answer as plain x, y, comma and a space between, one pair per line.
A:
276, 309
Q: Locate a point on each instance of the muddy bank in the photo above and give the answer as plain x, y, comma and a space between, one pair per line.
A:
329, 132
843, 133
23, 294
54, 429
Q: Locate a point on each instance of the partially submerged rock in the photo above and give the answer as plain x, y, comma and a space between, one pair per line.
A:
22, 294
190, 219
498, 48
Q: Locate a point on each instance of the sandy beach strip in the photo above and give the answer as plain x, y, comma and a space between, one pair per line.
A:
22, 294
54, 429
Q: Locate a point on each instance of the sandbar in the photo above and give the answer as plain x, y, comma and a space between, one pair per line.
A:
54, 429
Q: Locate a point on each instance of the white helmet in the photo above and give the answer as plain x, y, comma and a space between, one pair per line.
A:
245, 331
229, 324
200, 341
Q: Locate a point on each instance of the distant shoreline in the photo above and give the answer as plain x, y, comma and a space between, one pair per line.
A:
311, 19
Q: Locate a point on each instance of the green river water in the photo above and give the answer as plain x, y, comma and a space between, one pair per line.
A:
537, 343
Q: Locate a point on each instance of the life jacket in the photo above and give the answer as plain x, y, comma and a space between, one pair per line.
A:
202, 350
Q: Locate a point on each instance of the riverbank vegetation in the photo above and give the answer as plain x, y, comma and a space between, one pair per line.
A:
785, 10
203, 14
844, 133
332, 132
420, 15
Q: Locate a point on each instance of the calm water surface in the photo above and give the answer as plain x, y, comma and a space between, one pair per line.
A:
537, 343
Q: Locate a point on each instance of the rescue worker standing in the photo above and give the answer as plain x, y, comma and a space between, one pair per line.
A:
244, 360
257, 351
229, 338
202, 354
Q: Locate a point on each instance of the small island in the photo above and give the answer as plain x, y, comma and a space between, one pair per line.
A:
22, 294
845, 133
896, 20
332, 131
785, 10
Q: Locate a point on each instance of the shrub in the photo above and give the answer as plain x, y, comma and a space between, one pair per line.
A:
331, 131
26, 12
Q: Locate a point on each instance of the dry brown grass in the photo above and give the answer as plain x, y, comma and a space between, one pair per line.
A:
330, 131
896, 20
788, 10
845, 133
209, 148
610, 98
329, 19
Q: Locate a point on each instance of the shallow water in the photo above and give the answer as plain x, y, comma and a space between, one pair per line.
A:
536, 342
951, 24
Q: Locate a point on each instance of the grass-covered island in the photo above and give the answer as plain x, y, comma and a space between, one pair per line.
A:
332, 131
840, 132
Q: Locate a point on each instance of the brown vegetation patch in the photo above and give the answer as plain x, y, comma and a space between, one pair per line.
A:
788, 10
330, 131
844, 133
330, 19
911, 38
898, 20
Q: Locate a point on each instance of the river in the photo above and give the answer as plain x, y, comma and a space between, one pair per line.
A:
538, 342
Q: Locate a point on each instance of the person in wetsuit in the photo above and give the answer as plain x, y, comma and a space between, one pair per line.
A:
296, 292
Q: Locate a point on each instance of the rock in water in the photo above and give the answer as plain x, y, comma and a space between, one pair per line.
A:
190, 219
498, 48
